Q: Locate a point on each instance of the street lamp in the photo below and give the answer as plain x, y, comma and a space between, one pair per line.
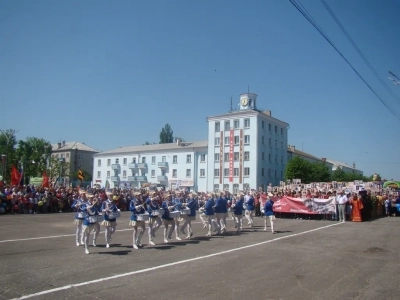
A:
61, 160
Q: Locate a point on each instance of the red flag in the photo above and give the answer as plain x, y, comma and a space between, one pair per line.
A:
45, 182
15, 176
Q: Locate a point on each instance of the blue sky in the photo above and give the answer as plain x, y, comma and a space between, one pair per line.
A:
112, 73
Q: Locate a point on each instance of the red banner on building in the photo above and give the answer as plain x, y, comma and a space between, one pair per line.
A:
231, 141
241, 157
305, 206
221, 156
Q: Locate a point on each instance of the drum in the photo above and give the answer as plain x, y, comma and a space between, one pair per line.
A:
80, 215
143, 217
244, 206
157, 212
175, 214
100, 218
185, 211
92, 219
114, 214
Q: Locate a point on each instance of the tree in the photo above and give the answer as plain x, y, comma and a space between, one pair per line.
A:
320, 172
166, 135
33, 154
298, 168
8, 141
339, 175
57, 169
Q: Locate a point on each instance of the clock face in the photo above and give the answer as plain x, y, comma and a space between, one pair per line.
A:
244, 101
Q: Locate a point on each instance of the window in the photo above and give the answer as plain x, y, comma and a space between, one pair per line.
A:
189, 158
246, 187
262, 124
262, 172
164, 159
227, 125
163, 172
227, 141
276, 129
99, 162
281, 145
133, 160
124, 174
269, 157
235, 171
270, 142
188, 173
269, 126
153, 160
125, 161
202, 158
281, 159
108, 174
247, 139
67, 155
235, 188
98, 174
236, 156
281, 131
262, 155
246, 171
79, 156
226, 156
276, 158
61, 155
226, 172
216, 188
246, 123
262, 140
217, 140
216, 157
226, 187
174, 173
143, 160
153, 173
117, 160
246, 155
108, 162
236, 140
216, 172
202, 172
217, 127
236, 124
175, 159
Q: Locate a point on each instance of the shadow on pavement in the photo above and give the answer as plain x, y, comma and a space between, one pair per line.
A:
116, 252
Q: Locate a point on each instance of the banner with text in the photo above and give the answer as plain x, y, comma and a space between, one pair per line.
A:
305, 206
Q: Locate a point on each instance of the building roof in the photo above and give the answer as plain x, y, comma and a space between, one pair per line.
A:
338, 163
246, 112
65, 146
158, 147
301, 153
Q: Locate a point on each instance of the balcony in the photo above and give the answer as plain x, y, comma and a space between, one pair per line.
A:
114, 178
142, 166
131, 178
141, 178
162, 178
116, 167
163, 165
132, 166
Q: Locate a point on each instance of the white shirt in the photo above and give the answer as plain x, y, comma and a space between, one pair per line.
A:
342, 199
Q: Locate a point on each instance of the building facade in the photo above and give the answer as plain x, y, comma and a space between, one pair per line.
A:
293, 152
173, 165
346, 168
76, 154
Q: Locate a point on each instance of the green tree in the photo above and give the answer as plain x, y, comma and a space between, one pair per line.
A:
33, 154
320, 172
166, 135
57, 168
298, 168
8, 141
339, 175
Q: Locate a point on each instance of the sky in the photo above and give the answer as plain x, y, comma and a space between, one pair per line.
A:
113, 73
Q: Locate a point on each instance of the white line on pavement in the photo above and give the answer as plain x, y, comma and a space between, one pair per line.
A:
66, 287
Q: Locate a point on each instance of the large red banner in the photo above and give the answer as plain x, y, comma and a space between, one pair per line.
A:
305, 206
231, 140
221, 156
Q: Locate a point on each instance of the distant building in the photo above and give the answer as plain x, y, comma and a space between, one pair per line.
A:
293, 152
76, 154
346, 168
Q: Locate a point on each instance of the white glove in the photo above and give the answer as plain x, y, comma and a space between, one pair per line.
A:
262, 211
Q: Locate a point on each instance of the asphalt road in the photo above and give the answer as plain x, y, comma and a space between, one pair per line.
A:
304, 260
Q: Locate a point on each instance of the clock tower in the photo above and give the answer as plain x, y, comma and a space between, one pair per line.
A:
247, 101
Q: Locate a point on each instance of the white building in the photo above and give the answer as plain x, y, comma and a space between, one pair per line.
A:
247, 148
169, 165
293, 152
346, 168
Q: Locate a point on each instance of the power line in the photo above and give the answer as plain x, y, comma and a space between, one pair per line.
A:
316, 26
359, 52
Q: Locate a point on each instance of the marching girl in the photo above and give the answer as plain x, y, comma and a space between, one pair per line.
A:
269, 213
89, 223
168, 206
154, 220
110, 224
220, 205
136, 210
209, 212
79, 217
192, 205
97, 212
250, 209
237, 208
178, 205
